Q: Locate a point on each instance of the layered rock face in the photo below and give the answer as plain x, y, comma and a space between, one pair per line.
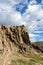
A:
13, 40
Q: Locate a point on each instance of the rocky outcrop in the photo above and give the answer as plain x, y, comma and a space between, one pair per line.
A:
13, 40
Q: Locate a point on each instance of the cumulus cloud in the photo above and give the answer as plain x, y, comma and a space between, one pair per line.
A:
9, 16
32, 18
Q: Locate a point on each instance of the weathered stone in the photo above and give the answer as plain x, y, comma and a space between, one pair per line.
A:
12, 39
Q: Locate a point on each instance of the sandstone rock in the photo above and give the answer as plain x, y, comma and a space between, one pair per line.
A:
12, 40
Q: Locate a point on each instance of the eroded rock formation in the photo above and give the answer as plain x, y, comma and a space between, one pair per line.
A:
12, 39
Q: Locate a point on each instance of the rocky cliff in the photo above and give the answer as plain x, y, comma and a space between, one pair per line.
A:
13, 40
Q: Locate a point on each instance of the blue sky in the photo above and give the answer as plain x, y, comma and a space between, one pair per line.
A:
27, 12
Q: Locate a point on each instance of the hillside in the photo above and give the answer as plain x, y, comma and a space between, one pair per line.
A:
38, 45
16, 48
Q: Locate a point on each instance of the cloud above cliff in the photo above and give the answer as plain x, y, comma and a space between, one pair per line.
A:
27, 12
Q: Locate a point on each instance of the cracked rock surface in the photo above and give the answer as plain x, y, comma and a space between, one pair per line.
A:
13, 40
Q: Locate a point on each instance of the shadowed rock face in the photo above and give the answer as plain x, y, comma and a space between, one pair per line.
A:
12, 39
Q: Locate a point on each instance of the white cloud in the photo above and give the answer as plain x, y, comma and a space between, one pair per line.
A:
17, 19
32, 14
10, 2
32, 2
14, 2
38, 32
33, 37
10, 16
5, 1
4, 12
32, 18
5, 8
